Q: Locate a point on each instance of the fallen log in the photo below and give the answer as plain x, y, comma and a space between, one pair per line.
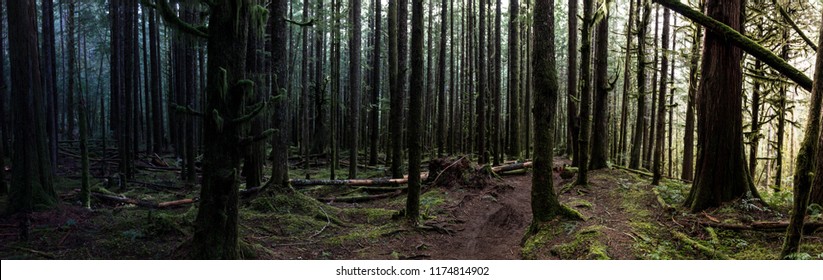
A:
354, 182
350, 199
512, 167
808, 228
144, 203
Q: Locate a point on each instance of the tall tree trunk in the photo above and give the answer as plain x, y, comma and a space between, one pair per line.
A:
622, 157
190, 80
399, 89
85, 193
661, 102
415, 104
355, 77
644, 13
70, 44
4, 188
545, 205
585, 94
335, 90
482, 86
453, 125
441, 84
374, 133
600, 135
156, 84
671, 103
31, 180
688, 137
781, 115
146, 86
807, 187
255, 71
572, 120
49, 77
721, 173
514, 78
498, 73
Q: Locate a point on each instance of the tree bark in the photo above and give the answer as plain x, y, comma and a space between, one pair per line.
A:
624, 111
514, 78
661, 102
807, 187
585, 92
441, 85
398, 91
721, 173
374, 128
600, 135
688, 133
415, 104
644, 12
355, 77
279, 63
49, 77
496, 91
31, 180
482, 85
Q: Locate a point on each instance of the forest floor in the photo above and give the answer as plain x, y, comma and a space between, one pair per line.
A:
468, 215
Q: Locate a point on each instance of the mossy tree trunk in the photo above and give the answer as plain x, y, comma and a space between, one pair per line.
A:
482, 86
374, 112
622, 157
278, 30
441, 87
31, 179
600, 136
643, 15
809, 163
572, 121
415, 107
694, 76
399, 88
355, 77
661, 103
721, 174
545, 205
585, 93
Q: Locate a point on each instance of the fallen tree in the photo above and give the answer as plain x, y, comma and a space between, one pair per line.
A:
143, 203
808, 228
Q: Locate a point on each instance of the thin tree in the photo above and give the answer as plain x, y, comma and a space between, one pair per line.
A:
441, 70
374, 129
688, 133
482, 85
600, 135
498, 73
398, 91
624, 111
415, 106
335, 91
721, 173
644, 13
514, 78
49, 77
585, 92
70, 44
31, 179
355, 76
661, 102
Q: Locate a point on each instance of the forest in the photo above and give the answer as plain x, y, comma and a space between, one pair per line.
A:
398, 130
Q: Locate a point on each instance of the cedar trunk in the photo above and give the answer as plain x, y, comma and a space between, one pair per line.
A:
600, 135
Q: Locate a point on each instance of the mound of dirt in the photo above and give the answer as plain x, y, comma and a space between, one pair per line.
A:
506, 217
458, 173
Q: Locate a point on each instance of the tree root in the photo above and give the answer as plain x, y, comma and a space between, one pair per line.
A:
698, 246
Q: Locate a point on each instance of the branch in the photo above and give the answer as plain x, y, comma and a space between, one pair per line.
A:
245, 141
301, 24
167, 13
791, 22
186, 110
742, 42
258, 108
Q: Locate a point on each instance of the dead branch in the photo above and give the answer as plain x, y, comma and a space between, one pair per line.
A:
143, 203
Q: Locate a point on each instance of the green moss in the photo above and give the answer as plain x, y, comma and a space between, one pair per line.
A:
535, 242
366, 233
581, 203
372, 215
584, 245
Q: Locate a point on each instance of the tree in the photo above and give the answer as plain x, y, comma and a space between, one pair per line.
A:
497, 72
661, 103
31, 181
155, 83
585, 93
482, 85
415, 106
545, 205
398, 91
624, 109
600, 135
374, 127
335, 92
721, 173
441, 70
215, 234
355, 78
644, 13
809, 162
4, 188
688, 133
514, 78
49, 77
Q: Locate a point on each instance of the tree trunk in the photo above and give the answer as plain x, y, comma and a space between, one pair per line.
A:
215, 235
415, 104
781, 115
671, 104
399, 89
279, 63
70, 44
354, 85
807, 187
644, 12
254, 157
31, 179
545, 205
514, 78
497, 84
156, 84
49, 77
585, 94
688, 137
85, 194
441, 84
624, 111
600, 135
482, 84
648, 153
661, 102
721, 173
374, 133
320, 137
453, 125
